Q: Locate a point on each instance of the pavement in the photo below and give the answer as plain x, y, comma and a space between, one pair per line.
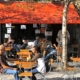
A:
52, 75
49, 76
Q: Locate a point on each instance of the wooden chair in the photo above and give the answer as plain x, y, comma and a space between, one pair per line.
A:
69, 71
23, 53
7, 48
22, 64
25, 65
24, 50
25, 74
59, 53
75, 49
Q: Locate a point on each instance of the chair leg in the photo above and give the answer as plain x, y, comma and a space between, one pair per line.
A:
68, 76
43, 77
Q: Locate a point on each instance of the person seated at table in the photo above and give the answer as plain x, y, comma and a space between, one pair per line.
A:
10, 40
25, 44
12, 53
37, 42
50, 51
14, 46
41, 68
5, 42
3, 65
34, 56
45, 43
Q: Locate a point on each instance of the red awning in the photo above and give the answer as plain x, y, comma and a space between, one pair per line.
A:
23, 12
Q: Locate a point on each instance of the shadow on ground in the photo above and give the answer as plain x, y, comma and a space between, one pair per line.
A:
60, 79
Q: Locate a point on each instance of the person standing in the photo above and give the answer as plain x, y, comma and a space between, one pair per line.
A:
59, 40
59, 37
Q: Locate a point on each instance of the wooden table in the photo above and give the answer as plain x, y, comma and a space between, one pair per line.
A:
75, 59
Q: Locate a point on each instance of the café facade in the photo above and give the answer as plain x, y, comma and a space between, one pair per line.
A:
31, 19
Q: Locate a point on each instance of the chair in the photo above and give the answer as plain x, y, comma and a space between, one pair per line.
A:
57, 56
24, 50
43, 76
76, 64
24, 65
69, 72
23, 53
7, 48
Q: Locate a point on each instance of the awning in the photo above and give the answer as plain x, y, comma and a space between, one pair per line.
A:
23, 12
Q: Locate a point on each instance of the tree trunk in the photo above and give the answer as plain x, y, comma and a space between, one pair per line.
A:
64, 37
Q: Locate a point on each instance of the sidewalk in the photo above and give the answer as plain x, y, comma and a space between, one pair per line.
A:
53, 75
49, 76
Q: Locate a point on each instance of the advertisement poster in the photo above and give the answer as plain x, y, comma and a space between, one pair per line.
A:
37, 31
7, 35
8, 30
34, 25
8, 25
23, 26
48, 33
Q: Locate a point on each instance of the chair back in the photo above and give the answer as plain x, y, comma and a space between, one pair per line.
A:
59, 50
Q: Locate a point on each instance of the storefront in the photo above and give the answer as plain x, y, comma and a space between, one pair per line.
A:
23, 13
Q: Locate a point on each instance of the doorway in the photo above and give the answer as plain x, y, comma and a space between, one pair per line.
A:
55, 29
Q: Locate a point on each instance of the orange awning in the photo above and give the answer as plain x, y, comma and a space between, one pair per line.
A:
23, 12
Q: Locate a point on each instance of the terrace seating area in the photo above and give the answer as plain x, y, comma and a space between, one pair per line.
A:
23, 63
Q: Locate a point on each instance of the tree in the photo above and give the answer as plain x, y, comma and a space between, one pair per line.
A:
64, 30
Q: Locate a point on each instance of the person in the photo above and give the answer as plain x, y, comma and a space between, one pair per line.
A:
25, 44
59, 37
59, 40
45, 43
10, 40
14, 47
37, 42
11, 43
50, 51
35, 53
6, 69
41, 68
5, 42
